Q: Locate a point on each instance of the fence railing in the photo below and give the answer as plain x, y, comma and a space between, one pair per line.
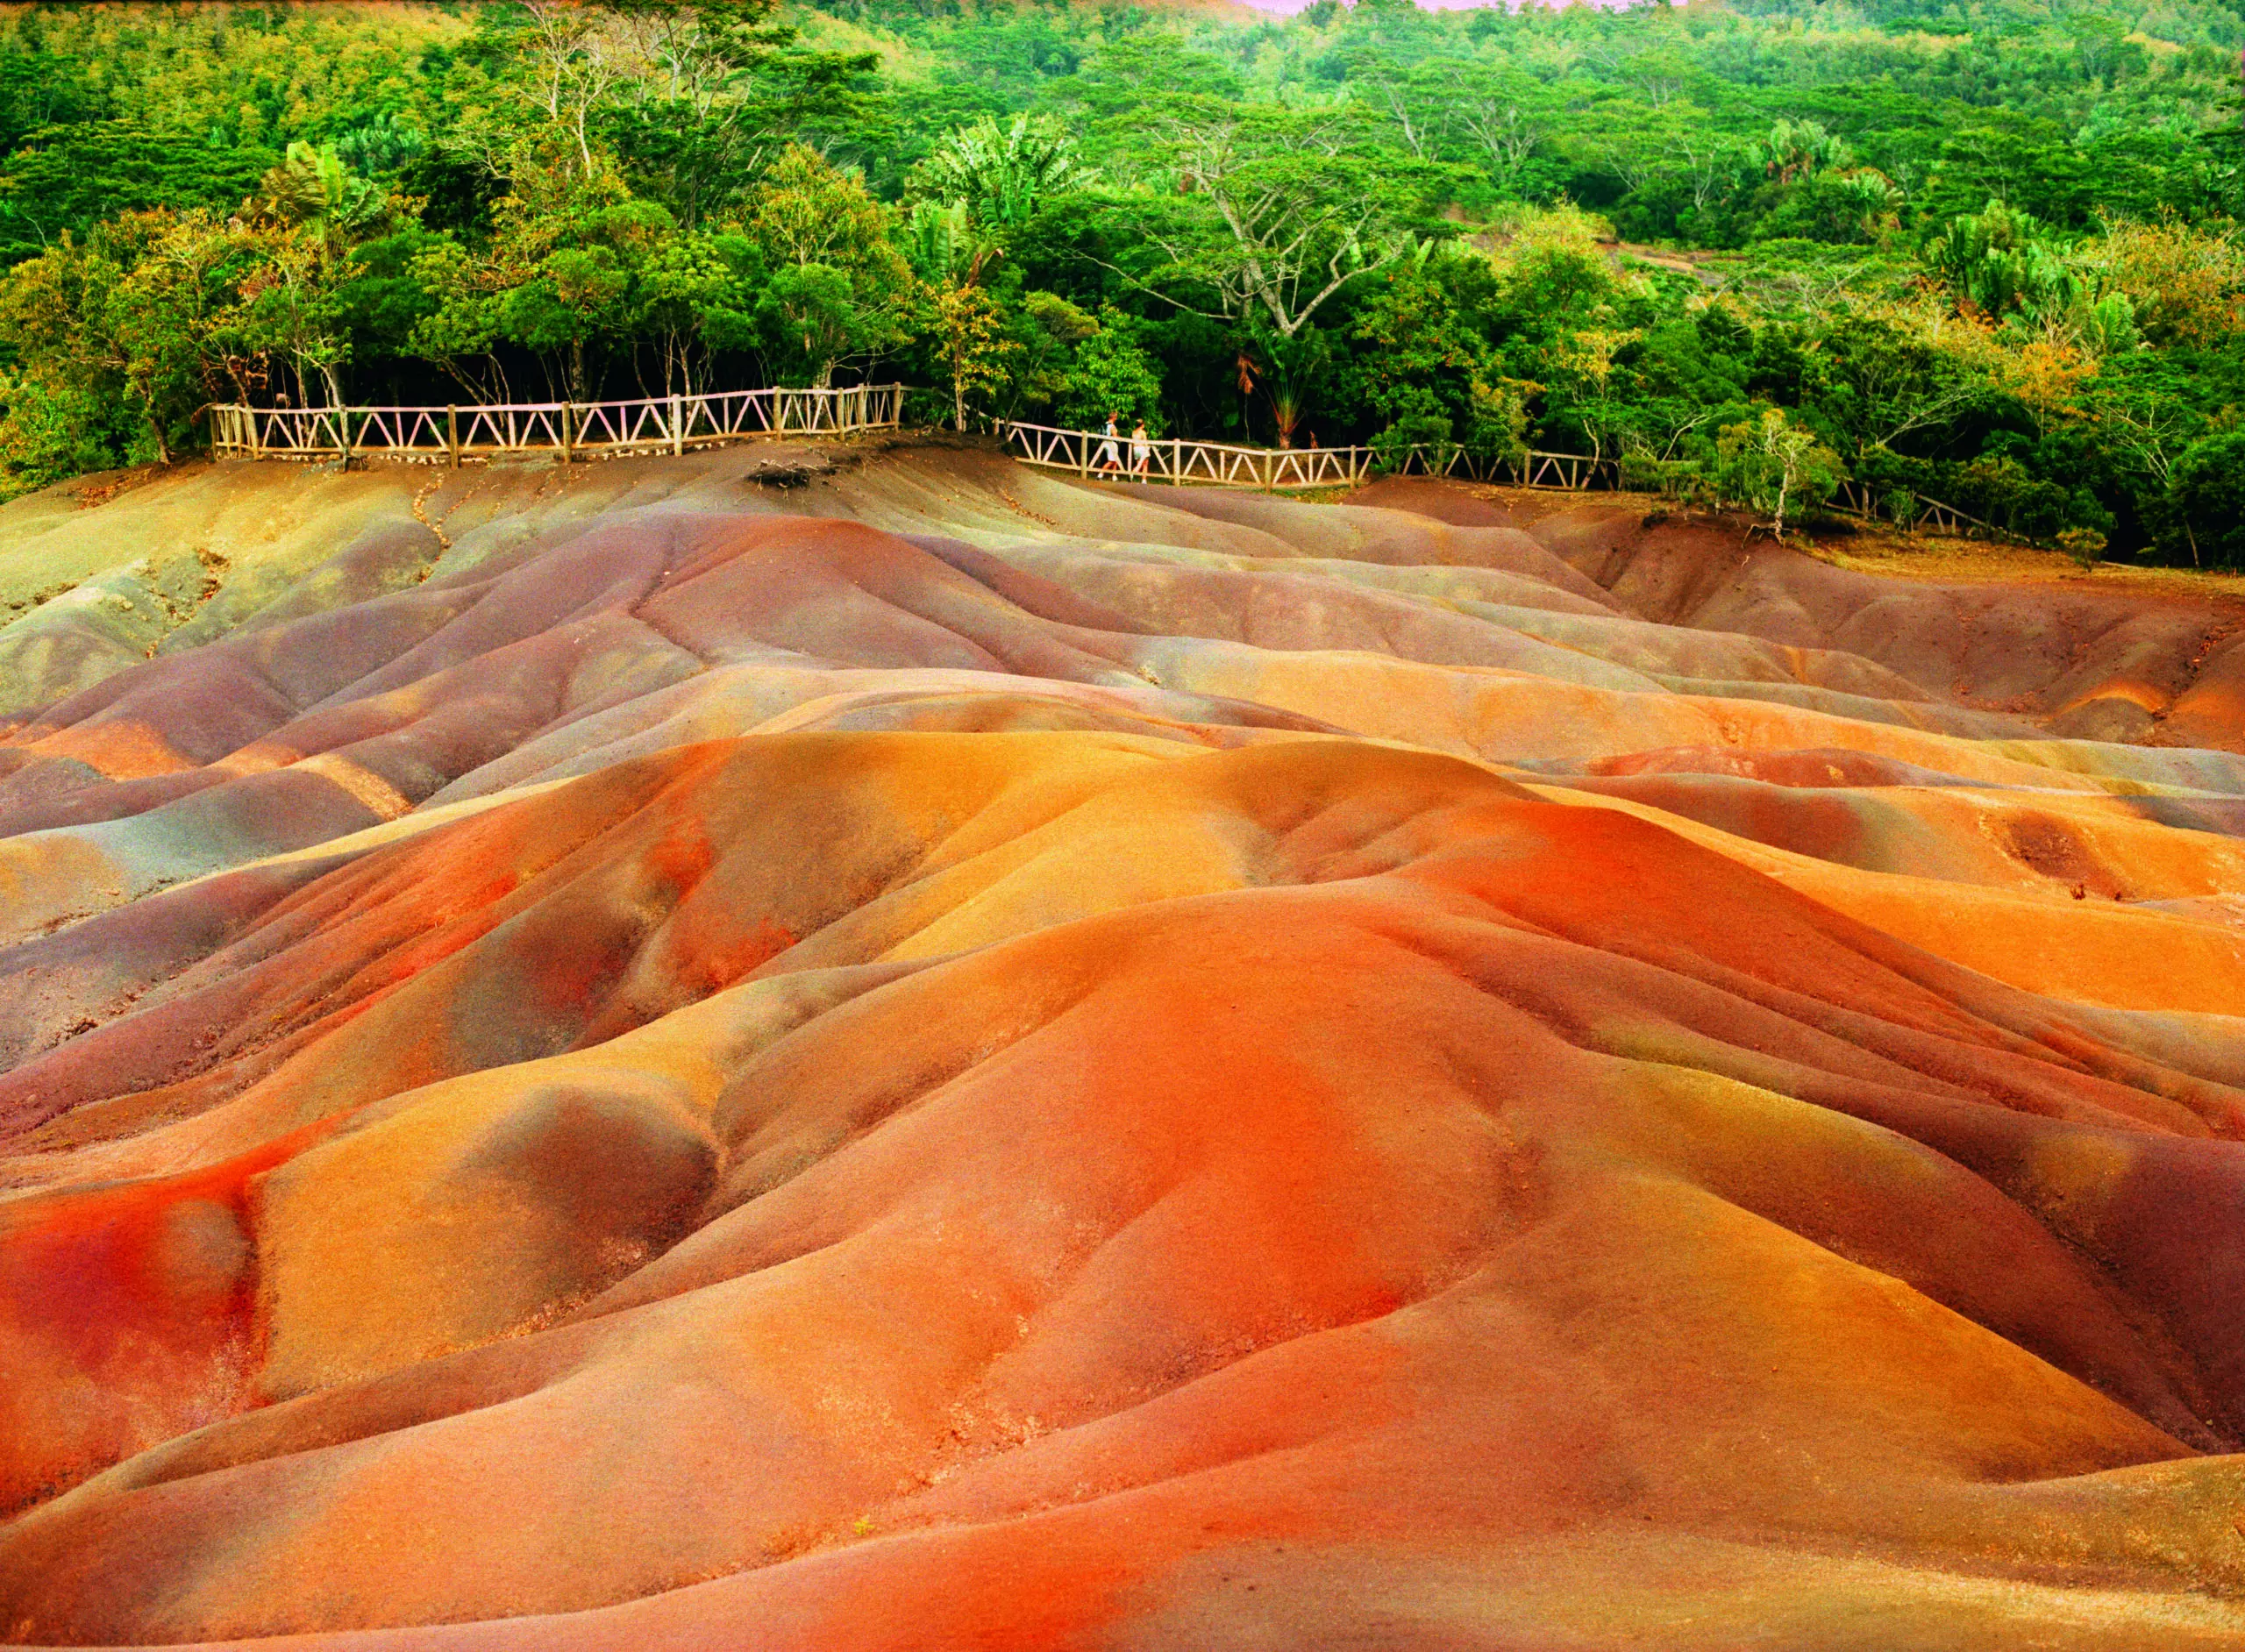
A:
649, 424
1173, 460
1095, 454
1853, 499
1570, 473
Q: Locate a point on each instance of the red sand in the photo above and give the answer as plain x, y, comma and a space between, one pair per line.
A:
706, 1078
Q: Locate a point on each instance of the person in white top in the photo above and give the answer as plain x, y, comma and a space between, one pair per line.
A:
1142, 450
1110, 453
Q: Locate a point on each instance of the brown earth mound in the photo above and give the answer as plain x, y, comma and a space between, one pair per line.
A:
2129, 665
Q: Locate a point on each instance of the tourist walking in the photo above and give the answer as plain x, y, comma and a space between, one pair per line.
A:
1142, 450
1110, 451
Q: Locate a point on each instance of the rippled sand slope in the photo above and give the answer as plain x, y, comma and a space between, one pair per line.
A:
931, 1056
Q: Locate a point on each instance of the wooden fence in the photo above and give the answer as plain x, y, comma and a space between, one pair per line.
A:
651, 425
1090, 453
1569, 472
1171, 460
1287, 469
673, 424
1856, 500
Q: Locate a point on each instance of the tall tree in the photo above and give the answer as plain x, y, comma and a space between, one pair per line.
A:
1274, 214
839, 286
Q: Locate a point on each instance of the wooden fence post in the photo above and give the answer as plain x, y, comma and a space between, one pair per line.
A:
451, 434
569, 447
677, 430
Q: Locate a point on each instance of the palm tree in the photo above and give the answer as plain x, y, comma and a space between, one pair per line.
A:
314, 187
999, 172
1796, 148
316, 210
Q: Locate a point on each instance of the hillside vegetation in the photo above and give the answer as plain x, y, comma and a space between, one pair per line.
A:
1983, 254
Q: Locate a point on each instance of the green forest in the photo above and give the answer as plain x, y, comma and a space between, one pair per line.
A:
1985, 251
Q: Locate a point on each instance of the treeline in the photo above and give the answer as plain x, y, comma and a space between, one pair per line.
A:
1987, 256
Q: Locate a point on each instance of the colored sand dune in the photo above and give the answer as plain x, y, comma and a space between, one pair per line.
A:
935, 1057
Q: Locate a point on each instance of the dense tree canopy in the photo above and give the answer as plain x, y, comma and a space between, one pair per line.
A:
1985, 252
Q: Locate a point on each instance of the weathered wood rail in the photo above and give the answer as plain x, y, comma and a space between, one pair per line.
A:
649, 424
1168, 459
1566, 472
1095, 455
1853, 499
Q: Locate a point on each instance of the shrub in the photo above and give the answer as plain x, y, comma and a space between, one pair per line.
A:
1775, 467
1392, 447
1110, 373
